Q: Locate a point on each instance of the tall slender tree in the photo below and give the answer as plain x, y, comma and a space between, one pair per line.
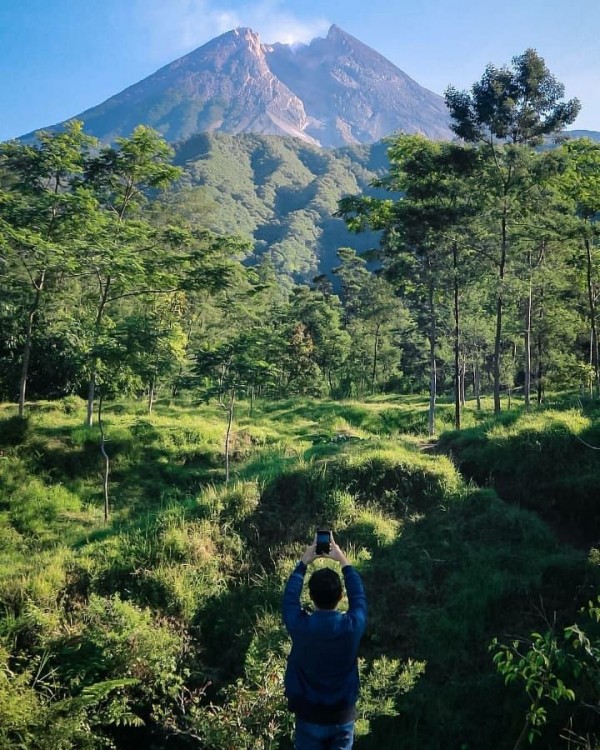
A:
424, 232
506, 111
581, 184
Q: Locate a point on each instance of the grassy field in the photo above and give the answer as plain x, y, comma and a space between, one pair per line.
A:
161, 626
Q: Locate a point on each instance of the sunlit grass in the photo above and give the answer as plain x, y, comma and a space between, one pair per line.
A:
446, 563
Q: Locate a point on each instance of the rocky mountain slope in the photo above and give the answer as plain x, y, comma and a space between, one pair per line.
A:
333, 92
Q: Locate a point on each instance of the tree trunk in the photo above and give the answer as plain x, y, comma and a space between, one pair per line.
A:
592, 378
89, 419
593, 327
39, 285
89, 416
540, 371
527, 337
106, 461
499, 307
432, 364
457, 388
477, 384
463, 378
151, 396
540, 351
522, 734
25, 363
375, 351
228, 433
512, 382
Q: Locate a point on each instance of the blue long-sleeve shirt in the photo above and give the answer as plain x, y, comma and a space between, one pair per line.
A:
321, 679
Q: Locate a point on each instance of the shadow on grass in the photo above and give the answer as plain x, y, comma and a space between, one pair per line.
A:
377, 417
440, 592
543, 463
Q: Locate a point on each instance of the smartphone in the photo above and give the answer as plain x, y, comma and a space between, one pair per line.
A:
323, 541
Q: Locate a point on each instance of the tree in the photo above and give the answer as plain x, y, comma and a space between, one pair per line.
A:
316, 328
122, 255
45, 212
581, 183
372, 315
353, 274
516, 107
422, 233
155, 340
521, 105
235, 367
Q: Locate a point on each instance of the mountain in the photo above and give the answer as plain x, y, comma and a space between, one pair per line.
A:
332, 92
593, 135
281, 192
352, 94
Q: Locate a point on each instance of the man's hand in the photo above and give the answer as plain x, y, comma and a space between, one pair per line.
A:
335, 553
311, 553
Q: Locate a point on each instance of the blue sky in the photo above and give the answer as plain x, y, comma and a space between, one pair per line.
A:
60, 57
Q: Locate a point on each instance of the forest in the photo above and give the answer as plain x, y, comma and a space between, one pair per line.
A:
178, 414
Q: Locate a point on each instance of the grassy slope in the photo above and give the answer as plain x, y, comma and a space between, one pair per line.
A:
447, 566
548, 461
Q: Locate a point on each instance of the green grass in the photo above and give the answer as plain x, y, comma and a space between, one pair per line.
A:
449, 556
545, 460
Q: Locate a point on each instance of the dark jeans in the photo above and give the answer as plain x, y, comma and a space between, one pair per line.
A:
324, 737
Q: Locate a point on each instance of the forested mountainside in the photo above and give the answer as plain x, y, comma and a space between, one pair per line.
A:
281, 192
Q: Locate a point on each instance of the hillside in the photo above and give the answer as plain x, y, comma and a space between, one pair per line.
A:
283, 193
161, 628
593, 135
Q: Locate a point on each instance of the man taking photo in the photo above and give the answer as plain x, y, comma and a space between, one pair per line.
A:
321, 679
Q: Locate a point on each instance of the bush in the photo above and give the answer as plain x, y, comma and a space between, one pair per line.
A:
400, 480
13, 431
118, 639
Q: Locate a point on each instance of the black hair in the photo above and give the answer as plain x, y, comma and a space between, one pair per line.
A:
325, 588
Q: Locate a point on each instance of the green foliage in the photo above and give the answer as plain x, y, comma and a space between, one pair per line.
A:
537, 667
553, 667
165, 622
34, 718
125, 641
161, 626
520, 104
383, 682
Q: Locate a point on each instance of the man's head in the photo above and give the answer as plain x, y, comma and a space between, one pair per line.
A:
325, 588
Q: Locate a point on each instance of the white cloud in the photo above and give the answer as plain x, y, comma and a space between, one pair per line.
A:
171, 29
275, 24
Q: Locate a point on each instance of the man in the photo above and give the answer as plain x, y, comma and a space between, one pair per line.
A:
321, 680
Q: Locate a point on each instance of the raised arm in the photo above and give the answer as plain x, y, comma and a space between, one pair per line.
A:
357, 599
291, 609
